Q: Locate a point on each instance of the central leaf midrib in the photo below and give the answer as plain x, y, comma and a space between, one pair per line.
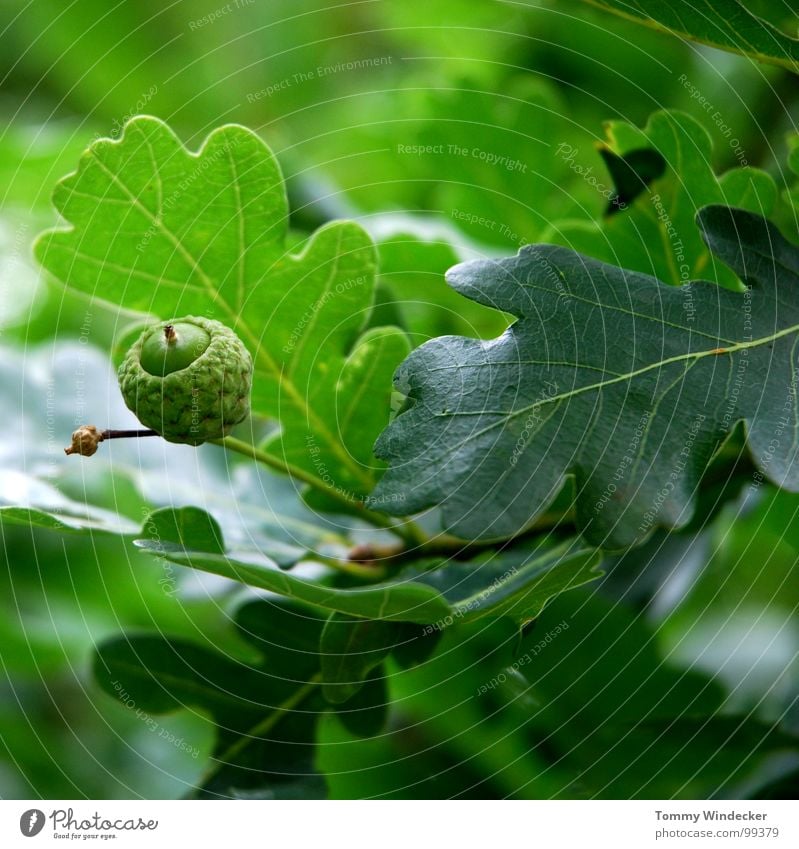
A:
512, 414
694, 355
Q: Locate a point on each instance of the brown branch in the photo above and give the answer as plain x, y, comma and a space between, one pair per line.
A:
445, 545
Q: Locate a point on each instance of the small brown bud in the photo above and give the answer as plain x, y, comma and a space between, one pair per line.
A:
362, 553
85, 441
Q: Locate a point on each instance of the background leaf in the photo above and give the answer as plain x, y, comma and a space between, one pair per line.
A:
729, 24
335, 89
185, 526
265, 713
350, 650
413, 261
657, 233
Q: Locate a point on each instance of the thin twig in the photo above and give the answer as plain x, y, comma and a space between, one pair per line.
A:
451, 547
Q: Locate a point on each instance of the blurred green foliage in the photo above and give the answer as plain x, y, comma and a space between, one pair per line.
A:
339, 92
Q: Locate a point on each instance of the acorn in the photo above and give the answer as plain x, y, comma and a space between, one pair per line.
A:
188, 379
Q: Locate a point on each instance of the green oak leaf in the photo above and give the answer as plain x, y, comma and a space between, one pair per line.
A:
442, 698
791, 193
727, 24
657, 233
504, 182
185, 526
517, 583
414, 645
284, 631
166, 526
631, 173
605, 378
159, 229
401, 601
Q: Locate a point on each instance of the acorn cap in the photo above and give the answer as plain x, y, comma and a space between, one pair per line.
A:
189, 379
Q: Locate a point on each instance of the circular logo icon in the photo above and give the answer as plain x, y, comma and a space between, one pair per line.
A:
31, 822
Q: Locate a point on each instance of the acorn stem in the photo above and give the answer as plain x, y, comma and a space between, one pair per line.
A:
126, 434
170, 334
86, 438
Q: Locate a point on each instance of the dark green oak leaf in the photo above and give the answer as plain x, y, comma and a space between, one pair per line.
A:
606, 378
162, 230
726, 24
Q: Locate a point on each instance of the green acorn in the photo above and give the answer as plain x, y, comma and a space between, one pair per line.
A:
188, 379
